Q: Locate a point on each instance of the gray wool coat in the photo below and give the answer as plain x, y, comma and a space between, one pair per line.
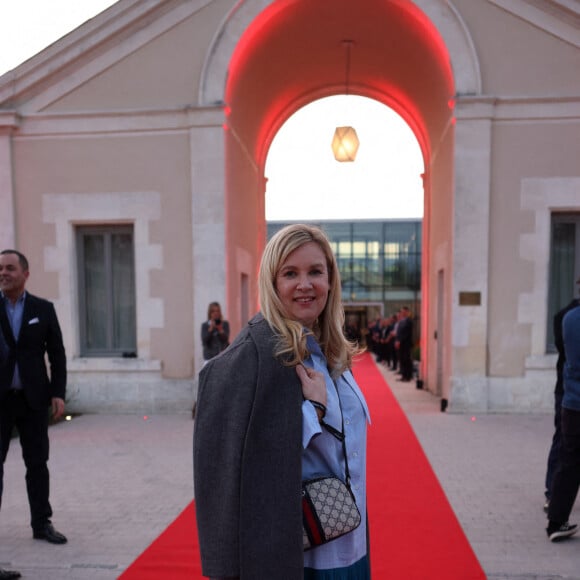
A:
248, 462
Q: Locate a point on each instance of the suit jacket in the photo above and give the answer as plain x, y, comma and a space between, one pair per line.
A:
405, 332
248, 462
39, 335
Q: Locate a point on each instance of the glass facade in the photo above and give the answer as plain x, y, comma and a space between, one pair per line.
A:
379, 263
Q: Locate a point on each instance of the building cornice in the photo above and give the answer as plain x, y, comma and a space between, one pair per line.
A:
126, 121
517, 108
9, 122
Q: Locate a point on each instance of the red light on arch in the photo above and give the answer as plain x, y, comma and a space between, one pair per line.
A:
291, 93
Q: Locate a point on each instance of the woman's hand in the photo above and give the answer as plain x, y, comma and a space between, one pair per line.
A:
313, 384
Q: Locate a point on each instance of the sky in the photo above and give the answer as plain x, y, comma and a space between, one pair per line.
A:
306, 182
29, 26
304, 179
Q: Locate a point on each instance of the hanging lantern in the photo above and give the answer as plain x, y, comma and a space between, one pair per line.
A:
345, 141
345, 144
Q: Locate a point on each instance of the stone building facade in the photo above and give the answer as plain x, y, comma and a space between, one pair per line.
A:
132, 155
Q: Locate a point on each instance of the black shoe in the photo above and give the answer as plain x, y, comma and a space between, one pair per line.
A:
9, 574
49, 534
560, 532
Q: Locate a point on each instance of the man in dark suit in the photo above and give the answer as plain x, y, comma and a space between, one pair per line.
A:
30, 329
404, 344
4, 574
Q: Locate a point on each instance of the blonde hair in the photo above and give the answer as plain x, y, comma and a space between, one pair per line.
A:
328, 329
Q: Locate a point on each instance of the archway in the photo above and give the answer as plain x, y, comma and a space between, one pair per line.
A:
278, 56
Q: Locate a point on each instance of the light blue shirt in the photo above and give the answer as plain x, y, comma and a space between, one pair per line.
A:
14, 313
323, 455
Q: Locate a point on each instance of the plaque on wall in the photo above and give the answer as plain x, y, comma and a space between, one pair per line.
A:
470, 299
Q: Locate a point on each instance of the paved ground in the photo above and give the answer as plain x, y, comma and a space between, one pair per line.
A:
119, 480
116, 482
492, 468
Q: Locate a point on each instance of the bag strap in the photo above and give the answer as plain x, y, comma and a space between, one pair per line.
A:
340, 435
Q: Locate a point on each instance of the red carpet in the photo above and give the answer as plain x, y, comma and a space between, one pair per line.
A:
414, 532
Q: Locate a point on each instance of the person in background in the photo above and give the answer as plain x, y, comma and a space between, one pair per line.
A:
390, 352
215, 333
31, 331
404, 344
352, 331
395, 363
215, 337
558, 394
567, 477
383, 348
374, 330
274, 408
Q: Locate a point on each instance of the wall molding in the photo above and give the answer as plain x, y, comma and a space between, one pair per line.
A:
63, 212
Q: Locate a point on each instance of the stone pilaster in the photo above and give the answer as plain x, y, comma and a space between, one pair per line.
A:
8, 124
471, 253
208, 221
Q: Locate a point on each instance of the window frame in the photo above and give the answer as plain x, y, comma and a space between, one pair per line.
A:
561, 218
107, 231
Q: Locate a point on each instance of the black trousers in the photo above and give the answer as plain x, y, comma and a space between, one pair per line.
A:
405, 362
554, 454
1, 472
32, 426
567, 478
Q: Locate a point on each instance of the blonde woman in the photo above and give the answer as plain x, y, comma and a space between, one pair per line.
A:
272, 410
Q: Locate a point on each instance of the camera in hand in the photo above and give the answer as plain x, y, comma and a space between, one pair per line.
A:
218, 321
